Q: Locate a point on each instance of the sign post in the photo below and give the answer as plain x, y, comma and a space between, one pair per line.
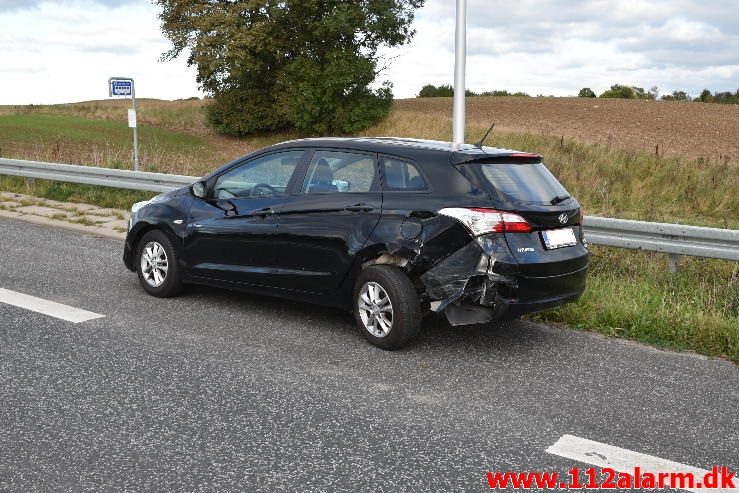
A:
124, 86
460, 55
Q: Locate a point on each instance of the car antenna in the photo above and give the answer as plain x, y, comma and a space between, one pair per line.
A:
479, 144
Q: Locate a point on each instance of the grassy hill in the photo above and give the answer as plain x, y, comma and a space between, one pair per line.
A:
607, 159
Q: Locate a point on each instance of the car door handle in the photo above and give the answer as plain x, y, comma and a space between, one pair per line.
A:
359, 208
267, 211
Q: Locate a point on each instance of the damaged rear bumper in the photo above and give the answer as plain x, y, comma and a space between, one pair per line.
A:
481, 282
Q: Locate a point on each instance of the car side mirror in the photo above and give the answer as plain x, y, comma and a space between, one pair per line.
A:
199, 189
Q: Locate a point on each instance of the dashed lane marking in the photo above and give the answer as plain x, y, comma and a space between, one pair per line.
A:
51, 308
624, 461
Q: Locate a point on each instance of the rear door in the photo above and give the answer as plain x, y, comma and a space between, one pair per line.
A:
328, 220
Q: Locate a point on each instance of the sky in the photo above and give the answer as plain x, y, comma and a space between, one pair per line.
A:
65, 50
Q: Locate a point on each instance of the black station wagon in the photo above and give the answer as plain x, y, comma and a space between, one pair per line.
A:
386, 228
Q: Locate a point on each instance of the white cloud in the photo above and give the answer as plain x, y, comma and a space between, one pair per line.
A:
55, 51
65, 51
559, 47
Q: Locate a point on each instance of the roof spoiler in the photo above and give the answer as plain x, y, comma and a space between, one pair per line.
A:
503, 158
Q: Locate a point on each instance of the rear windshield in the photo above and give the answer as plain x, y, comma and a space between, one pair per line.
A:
519, 183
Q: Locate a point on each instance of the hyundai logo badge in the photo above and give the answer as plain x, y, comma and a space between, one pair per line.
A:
563, 218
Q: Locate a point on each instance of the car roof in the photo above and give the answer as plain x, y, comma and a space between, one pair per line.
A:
406, 147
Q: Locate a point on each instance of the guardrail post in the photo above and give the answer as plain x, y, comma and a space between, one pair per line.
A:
28, 182
673, 262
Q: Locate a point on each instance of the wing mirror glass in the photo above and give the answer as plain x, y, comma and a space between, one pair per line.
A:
198, 189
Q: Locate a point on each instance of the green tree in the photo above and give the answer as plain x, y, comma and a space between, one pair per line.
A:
431, 91
620, 92
640, 93
676, 96
586, 92
427, 91
274, 64
705, 96
504, 93
447, 90
726, 97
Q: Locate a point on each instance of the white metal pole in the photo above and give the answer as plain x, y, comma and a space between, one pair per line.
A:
135, 129
460, 54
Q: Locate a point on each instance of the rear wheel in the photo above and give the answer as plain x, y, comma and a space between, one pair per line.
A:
386, 307
157, 265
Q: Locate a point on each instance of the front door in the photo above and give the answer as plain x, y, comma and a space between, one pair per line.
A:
328, 220
229, 233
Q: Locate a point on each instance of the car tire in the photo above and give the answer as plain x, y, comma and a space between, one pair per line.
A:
157, 265
377, 288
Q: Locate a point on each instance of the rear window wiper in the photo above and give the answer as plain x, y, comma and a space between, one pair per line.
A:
559, 199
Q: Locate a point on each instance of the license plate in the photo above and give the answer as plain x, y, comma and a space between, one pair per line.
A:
559, 238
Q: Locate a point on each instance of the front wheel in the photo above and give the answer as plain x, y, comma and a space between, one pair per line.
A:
386, 306
157, 265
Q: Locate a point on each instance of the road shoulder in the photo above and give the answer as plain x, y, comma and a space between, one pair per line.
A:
84, 218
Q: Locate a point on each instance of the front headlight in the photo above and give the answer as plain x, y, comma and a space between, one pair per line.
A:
138, 205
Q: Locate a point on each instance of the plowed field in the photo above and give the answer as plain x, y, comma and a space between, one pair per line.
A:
679, 128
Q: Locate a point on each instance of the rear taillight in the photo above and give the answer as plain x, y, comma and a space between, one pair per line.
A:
483, 221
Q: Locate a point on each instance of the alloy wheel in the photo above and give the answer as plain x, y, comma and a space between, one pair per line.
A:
154, 264
375, 309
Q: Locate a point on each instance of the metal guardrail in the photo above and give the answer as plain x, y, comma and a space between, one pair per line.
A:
118, 178
672, 239
675, 239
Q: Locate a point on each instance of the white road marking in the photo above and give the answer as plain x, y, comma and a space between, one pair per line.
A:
623, 460
40, 305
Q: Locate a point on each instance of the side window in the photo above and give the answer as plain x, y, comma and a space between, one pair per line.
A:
334, 171
402, 175
268, 175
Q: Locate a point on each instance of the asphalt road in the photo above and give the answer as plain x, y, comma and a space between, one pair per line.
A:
221, 391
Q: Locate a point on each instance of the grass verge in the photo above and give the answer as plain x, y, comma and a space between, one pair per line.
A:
632, 295
114, 198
